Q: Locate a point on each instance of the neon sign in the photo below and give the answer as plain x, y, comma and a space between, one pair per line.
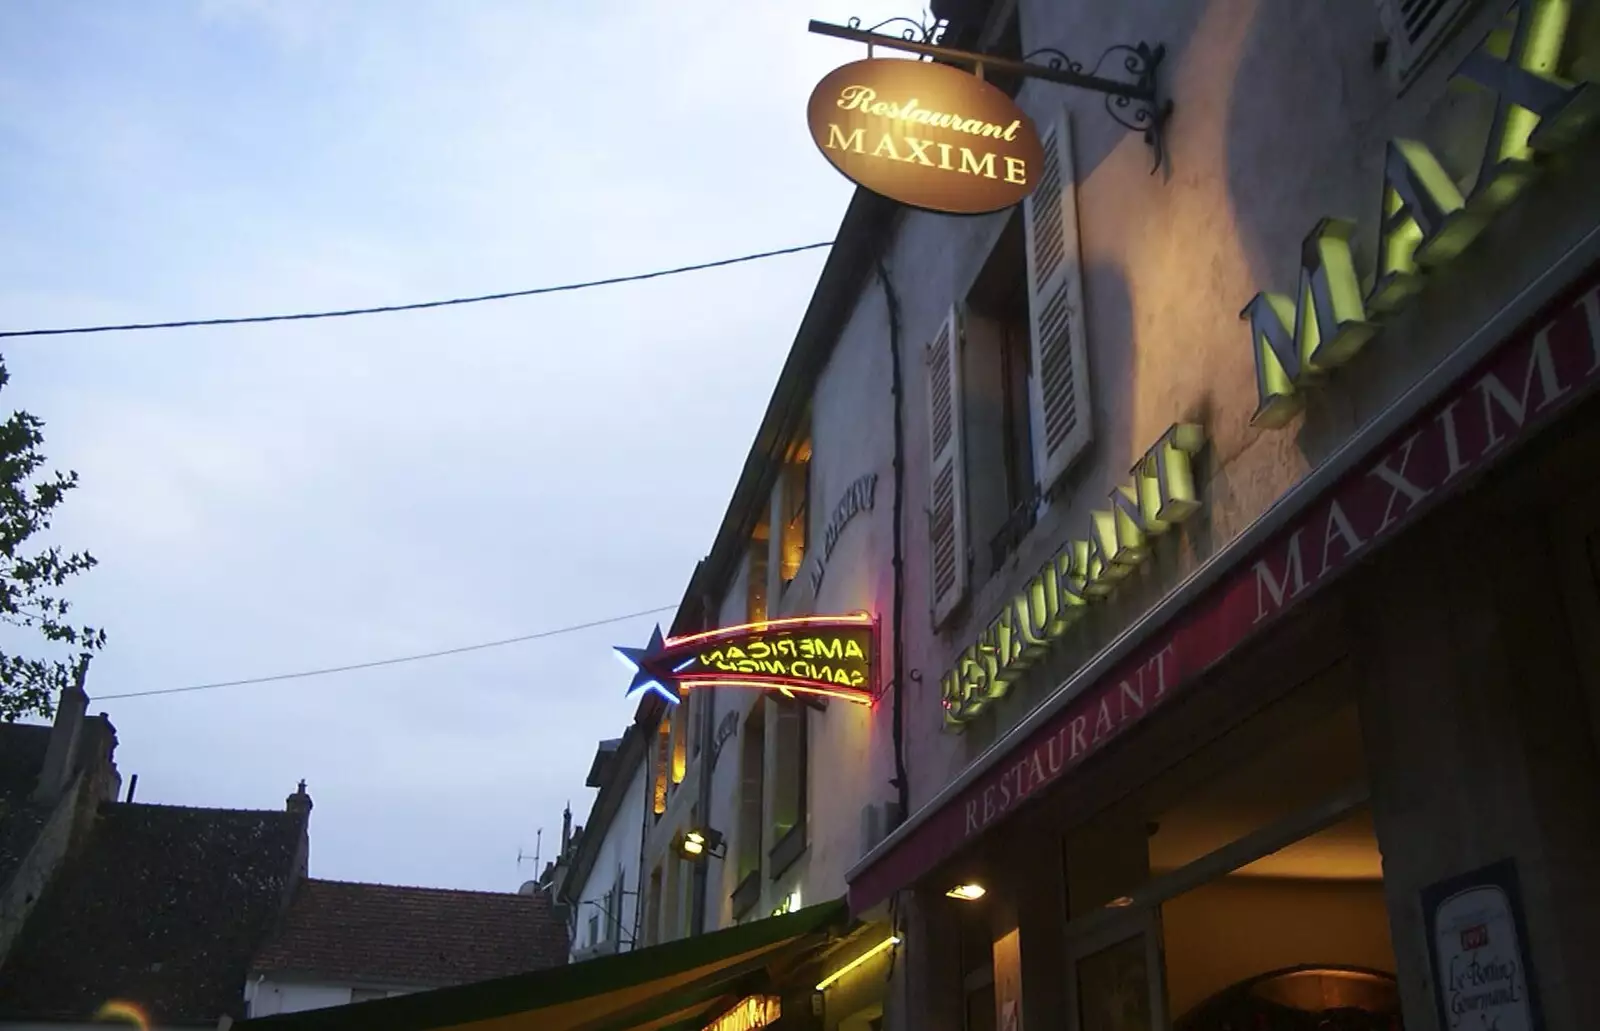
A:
752, 1012
831, 656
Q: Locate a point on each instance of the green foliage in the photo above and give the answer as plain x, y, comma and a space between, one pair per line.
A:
31, 577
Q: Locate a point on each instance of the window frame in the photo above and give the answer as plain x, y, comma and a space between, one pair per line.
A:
790, 843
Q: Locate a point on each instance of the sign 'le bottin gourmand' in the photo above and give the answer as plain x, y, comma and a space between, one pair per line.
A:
927, 135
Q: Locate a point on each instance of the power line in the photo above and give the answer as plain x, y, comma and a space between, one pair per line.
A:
417, 306
394, 661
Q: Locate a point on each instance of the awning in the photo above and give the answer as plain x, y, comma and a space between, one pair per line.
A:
683, 984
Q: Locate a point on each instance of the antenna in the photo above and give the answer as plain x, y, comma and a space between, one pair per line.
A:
523, 857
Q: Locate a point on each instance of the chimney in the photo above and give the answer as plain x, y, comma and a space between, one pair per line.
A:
299, 802
62, 750
566, 829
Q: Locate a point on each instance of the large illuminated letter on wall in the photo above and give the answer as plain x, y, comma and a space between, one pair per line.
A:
821, 655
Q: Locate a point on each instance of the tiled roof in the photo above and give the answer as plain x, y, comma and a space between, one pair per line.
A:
163, 907
384, 935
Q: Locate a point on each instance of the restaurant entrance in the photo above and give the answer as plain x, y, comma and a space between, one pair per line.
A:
1240, 889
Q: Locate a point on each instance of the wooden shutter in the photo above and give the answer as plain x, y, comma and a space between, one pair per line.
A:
947, 503
1417, 29
1061, 421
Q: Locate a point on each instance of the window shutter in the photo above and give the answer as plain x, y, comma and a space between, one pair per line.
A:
1062, 426
947, 515
1418, 27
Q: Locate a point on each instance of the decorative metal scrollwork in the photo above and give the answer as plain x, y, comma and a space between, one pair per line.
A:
1133, 100
1146, 114
1142, 113
928, 30
1055, 60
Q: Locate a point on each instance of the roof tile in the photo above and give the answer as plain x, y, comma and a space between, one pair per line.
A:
163, 908
387, 935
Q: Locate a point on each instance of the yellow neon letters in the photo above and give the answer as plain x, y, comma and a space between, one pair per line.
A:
1160, 496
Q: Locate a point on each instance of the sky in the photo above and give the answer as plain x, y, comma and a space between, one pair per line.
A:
268, 499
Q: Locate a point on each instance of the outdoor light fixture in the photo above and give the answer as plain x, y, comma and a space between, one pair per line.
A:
888, 943
697, 843
968, 892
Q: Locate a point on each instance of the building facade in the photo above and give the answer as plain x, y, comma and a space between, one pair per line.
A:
791, 788
601, 886
1250, 534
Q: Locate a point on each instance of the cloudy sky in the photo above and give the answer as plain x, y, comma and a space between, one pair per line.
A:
268, 499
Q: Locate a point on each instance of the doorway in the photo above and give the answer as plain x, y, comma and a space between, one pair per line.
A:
1241, 889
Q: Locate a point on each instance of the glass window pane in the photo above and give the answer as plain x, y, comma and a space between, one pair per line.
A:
980, 1009
1114, 988
1297, 753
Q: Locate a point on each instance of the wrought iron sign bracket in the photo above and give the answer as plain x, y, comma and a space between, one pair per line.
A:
1135, 103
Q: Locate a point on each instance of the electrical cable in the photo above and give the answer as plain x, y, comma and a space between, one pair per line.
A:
419, 305
394, 661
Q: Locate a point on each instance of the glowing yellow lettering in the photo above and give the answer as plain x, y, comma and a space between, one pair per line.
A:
971, 165
1160, 495
1424, 220
838, 141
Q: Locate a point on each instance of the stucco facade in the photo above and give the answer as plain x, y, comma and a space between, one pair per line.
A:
1281, 120
852, 438
1285, 115
604, 903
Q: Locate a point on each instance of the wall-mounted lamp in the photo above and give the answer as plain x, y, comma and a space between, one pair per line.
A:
697, 843
968, 892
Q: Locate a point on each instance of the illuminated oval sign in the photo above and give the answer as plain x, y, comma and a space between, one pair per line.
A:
926, 135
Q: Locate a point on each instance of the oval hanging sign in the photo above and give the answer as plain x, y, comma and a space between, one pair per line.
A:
926, 135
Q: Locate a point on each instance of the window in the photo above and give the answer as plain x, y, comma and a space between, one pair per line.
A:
976, 952
1418, 28
794, 509
788, 783
594, 929
614, 913
752, 760
663, 752
1007, 44
1264, 830
652, 915
1008, 385
997, 374
679, 765
756, 588
672, 900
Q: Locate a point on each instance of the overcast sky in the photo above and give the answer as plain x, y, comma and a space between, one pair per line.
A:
274, 498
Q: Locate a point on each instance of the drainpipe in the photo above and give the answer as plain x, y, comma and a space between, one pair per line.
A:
701, 883
897, 390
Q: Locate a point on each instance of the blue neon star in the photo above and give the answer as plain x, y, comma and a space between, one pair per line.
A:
644, 679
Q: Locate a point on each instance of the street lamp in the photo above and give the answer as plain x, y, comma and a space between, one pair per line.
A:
697, 843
